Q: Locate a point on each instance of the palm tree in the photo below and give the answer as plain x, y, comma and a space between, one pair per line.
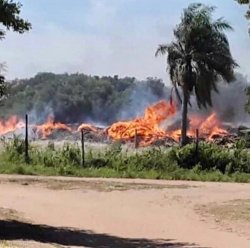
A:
198, 57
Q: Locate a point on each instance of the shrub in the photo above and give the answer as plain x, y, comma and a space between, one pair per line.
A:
14, 148
212, 157
174, 163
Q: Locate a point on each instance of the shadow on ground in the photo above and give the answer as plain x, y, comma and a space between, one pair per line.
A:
14, 230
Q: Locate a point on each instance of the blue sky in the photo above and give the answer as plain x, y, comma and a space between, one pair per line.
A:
107, 37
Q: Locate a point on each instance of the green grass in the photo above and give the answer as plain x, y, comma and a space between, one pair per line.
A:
213, 163
181, 174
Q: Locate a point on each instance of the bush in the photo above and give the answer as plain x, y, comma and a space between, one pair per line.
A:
211, 162
212, 157
14, 149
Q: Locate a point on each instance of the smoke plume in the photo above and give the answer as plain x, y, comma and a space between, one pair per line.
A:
229, 103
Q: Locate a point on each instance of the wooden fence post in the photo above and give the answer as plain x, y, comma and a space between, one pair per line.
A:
196, 141
83, 151
136, 139
26, 138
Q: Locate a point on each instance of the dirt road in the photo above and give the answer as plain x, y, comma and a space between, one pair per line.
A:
66, 212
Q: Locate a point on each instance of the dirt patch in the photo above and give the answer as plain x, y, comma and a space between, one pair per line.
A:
4, 244
106, 186
10, 214
233, 216
233, 210
82, 212
96, 185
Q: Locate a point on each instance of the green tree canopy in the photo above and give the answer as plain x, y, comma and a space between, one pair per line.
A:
248, 11
198, 57
81, 98
11, 20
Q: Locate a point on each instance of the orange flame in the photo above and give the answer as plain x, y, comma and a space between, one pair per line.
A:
211, 127
86, 127
11, 125
47, 128
147, 127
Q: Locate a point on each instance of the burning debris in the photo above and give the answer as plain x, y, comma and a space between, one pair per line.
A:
158, 125
147, 127
209, 127
11, 125
48, 127
87, 128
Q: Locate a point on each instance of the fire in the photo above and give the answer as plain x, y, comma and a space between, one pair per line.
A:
48, 127
211, 127
146, 127
208, 127
10, 125
86, 127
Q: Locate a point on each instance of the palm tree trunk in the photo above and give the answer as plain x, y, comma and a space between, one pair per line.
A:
184, 123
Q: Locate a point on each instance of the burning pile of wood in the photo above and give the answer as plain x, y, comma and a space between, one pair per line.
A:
143, 131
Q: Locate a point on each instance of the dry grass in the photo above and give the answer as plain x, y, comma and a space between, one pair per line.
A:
106, 186
9, 214
233, 216
4, 244
96, 185
232, 210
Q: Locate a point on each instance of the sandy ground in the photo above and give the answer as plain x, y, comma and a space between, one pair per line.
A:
67, 212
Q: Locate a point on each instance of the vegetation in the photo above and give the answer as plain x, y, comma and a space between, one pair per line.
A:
10, 19
247, 2
212, 163
78, 97
248, 99
198, 57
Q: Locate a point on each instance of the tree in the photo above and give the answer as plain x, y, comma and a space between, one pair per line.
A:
248, 12
198, 57
243, 1
76, 98
11, 20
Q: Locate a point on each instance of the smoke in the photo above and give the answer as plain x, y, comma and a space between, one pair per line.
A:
132, 103
231, 100
229, 103
40, 114
140, 98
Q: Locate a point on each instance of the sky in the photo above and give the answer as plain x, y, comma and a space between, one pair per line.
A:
108, 37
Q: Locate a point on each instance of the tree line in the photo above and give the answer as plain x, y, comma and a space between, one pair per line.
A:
78, 97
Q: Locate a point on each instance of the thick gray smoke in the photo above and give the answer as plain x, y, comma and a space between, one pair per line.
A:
37, 116
229, 103
141, 97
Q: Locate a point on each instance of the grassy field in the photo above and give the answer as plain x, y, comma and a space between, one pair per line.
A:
178, 174
211, 163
